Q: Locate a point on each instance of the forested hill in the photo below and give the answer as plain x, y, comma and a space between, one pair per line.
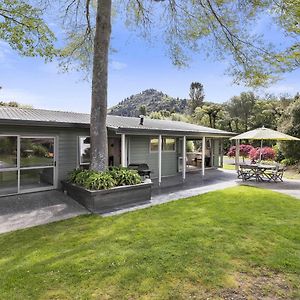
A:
149, 101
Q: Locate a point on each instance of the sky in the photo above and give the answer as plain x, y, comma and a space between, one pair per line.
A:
135, 66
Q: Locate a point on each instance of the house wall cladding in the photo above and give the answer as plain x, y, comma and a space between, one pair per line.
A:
67, 143
139, 152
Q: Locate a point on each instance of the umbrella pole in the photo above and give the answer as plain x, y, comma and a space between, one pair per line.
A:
260, 154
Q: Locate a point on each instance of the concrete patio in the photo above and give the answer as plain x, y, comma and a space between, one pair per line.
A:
27, 210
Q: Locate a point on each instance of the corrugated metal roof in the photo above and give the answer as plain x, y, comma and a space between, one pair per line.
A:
42, 117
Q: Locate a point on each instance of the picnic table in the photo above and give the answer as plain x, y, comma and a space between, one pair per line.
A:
260, 172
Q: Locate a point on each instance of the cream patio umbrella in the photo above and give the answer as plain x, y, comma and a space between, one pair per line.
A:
262, 134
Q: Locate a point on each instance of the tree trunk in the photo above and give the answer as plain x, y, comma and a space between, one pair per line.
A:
98, 130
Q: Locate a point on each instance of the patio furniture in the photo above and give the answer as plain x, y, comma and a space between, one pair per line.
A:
260, 172
142, 169
275, 174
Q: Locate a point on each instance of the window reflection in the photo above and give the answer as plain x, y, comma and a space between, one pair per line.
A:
8, 152
37, 152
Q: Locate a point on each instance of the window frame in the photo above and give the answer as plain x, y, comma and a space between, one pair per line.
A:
162, 144
80, 163
165, 138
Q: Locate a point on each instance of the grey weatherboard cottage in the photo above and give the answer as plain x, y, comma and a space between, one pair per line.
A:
38, 148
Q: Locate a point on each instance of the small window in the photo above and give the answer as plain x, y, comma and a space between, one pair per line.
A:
168, 144
84, 150
154, 145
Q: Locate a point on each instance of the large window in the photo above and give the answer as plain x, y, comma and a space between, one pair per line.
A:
84, 150
168, 144
8, 152
37, 152
8, 182
26, 164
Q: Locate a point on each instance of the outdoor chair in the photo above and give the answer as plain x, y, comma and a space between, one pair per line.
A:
244, 173
276, 174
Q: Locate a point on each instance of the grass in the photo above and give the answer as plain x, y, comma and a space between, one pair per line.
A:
228, 167
241, 241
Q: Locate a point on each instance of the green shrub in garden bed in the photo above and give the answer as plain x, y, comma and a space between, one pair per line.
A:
94, 180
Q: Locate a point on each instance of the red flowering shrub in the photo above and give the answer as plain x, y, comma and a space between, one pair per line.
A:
267, 153
244, 150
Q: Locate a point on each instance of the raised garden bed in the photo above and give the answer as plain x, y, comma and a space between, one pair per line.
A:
101, 201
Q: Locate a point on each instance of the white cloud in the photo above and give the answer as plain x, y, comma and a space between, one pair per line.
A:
117, 65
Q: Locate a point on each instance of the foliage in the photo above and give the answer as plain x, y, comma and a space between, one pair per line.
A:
190, 146
124, 176
244, 150
94, 180
290, 123
278, 153
149, 102
80, 176
39, 150
14, 104
143, 110
73, 175
23, 28
196, 95
265, 153
202, 247
289, 161
240, 109
99, 181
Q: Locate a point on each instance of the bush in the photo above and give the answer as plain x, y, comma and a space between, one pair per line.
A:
267, 153
93, 180
99, 181
124, 176
244, 150
289, 161
278, 153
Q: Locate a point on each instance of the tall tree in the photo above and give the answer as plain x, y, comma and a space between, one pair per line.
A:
212, 110
196, 95
98, 130
240, 108
290, 124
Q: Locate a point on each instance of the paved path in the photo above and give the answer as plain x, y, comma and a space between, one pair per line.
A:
27, 210
288, 187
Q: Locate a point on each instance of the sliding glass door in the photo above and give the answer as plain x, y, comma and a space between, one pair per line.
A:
8, 165
37, 163
27, 164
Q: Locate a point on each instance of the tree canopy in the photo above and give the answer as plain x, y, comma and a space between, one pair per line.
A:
23, 28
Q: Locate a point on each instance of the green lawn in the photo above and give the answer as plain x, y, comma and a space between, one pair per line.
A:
239, 242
